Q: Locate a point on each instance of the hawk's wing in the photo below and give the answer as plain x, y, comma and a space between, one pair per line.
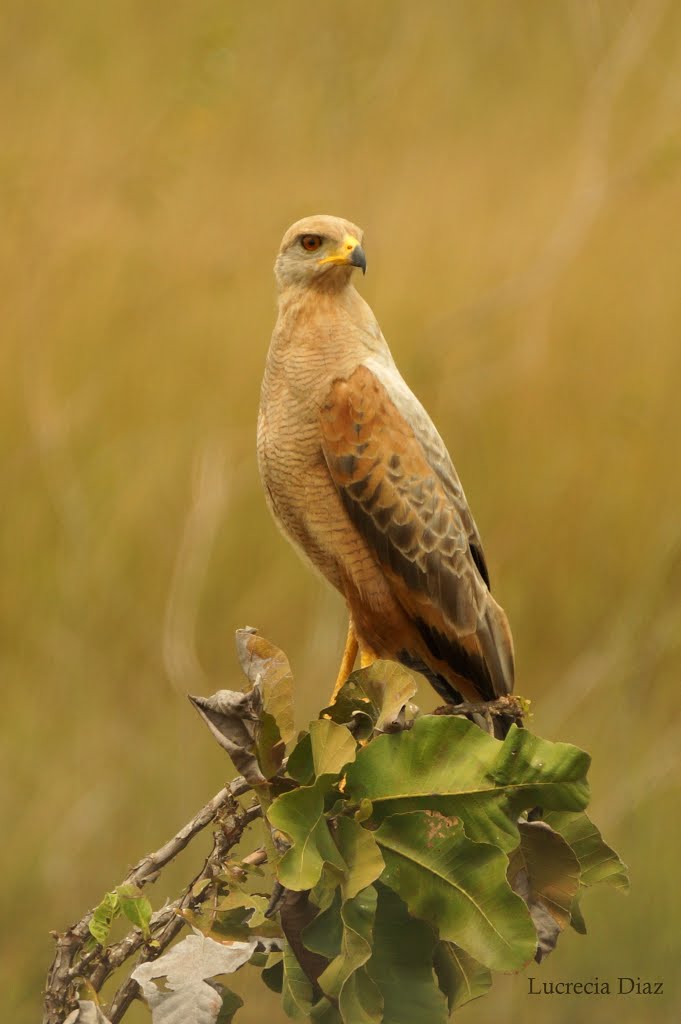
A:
419, 527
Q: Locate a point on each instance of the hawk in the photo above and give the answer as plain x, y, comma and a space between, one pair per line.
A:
359, 480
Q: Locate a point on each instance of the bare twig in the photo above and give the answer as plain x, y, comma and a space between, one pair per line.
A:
169, 921
68, 964
258, 856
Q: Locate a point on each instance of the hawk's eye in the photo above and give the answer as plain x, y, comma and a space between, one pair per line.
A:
311, 242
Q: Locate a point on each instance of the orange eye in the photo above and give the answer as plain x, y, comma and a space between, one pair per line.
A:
311, 242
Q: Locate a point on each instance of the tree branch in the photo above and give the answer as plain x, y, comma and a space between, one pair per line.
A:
97, 965
169, 920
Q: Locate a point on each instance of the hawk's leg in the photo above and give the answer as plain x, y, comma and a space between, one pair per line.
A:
347, 661
366, 657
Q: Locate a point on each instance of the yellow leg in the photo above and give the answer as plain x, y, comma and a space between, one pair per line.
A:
347, 661
367, 657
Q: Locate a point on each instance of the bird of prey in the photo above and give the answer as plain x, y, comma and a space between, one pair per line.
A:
359, 480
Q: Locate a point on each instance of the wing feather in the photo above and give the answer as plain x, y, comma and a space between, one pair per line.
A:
419, 528
434, 448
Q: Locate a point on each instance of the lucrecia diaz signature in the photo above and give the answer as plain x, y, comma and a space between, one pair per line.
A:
621, 986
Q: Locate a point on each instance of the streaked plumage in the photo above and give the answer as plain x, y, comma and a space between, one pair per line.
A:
359, 479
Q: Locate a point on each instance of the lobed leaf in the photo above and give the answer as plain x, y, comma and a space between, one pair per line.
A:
545, 872
300, 814
345, 979
362, 856
459, 975
103, 916
238, 916
324, 934
401, 964
458, 886
136, 907
450, 765
378, 697
300, 765
273, 972
231, 1002
599, 864
332, 747
185, 993
297, 994
325, 1012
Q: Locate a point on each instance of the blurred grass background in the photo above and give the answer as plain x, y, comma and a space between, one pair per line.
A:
517, 171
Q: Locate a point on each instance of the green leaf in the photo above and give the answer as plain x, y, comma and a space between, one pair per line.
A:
324, 934
378, 693
135, 906
364, 811
255, 908
273, 972
255, 905
300, 814
599, 863
345, 979
231, 1002
401, 965
389, 686
297, 995
461, 977
324, 892
577, 918
230, 925
333, 746
239, 916
352, 708
545, 872
361, 855
457, 885
200, 886
450, 765
103, 916
300, 765
324, 1012
269, 745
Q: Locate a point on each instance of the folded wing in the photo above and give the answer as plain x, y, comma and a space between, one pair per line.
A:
420, 530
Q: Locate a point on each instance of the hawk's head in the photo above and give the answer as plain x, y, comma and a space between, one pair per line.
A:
319, 250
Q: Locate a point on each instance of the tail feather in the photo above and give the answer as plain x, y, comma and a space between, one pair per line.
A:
496, 644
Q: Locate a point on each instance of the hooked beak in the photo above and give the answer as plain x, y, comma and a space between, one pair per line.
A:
349, 253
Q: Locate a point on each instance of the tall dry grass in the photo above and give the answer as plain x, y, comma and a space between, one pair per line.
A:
516, 168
